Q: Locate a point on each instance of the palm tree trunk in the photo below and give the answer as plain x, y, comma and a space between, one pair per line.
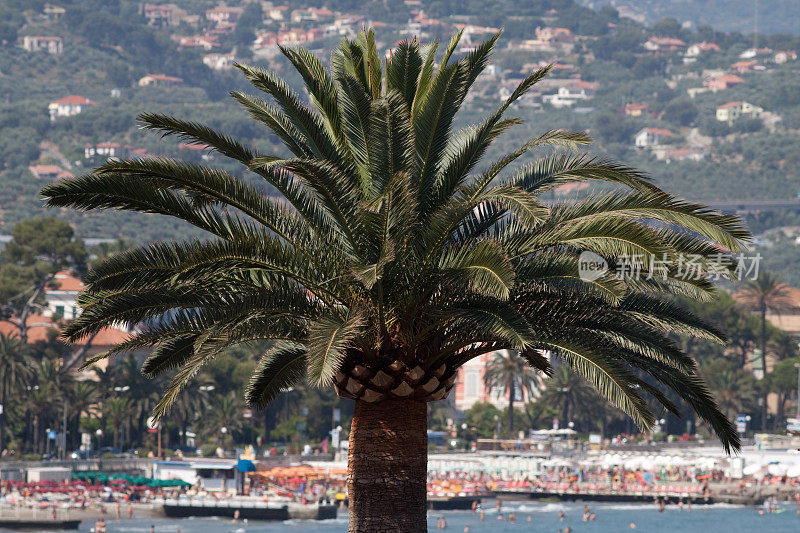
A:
764, 364
387, 467
511, 394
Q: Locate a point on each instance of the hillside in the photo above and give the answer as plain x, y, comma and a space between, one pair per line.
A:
705, 115
774, 16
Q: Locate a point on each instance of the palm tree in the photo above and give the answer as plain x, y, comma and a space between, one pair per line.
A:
511, 373
388, 261
15, 369
566, 390
765, 294
82, 400
735, 390
225, 412
115, 411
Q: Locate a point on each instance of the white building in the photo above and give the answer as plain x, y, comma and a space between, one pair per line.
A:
69, 106
224, 14
59, 474
733, 110
61, 295
106, 150
566, 97
51, 45
649, 137
218, 61
213, 475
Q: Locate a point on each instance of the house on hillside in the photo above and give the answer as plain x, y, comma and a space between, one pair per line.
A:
663, 45
157, 15
649, 137
685, 154
51, 45
206, 42
750, 53
218, 61
41, 328
784, 56
571, 93
61, 295
311, 14
224, 14
733, 110
68, 106
636, 110
45, 171
699, 48
722, 82
277, 12
106, 150
746, 66
160, 80
53, 13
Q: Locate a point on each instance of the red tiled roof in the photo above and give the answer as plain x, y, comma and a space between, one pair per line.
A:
729, 104
74, 99
729, 78
45, 169
570, 187
193, 146
65, 281
659, 131
65, 174
667, 41
39, 328
162, 77
634, 107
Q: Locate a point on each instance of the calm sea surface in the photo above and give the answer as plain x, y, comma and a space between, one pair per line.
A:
544, 518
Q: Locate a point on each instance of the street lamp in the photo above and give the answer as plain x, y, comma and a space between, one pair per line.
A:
126, 388
206, 388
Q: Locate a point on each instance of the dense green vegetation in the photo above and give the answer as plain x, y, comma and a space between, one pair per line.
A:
109, 45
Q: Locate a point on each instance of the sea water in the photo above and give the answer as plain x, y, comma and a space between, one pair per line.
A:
720, 518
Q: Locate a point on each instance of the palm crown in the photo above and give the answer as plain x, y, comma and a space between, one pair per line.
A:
390, 260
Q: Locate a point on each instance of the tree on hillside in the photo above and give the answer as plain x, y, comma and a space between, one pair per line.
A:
38, 249
390, 260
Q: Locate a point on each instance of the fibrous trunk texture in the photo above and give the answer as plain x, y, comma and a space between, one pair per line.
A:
387, 467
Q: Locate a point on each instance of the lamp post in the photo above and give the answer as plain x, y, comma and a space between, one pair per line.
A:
118, 390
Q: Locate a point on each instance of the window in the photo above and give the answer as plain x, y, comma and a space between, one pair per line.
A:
471, 386
60, 310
